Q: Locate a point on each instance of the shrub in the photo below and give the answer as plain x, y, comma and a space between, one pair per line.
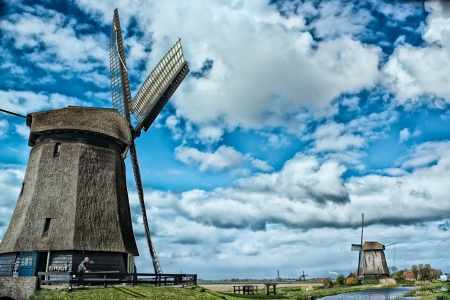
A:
352, 281
340, 280
327, 282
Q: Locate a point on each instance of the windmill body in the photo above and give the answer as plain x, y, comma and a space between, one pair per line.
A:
74, 200
375, 265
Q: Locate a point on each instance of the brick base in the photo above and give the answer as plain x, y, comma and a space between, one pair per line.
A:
18, 288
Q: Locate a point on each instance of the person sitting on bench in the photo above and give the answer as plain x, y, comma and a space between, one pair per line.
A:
82, 268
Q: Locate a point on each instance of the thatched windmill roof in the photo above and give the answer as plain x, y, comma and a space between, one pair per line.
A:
96, 121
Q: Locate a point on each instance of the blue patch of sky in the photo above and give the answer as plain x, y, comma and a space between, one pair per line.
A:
382, 30
385, 31
203, 72
431, 126
133, 29
163, 171
256, 142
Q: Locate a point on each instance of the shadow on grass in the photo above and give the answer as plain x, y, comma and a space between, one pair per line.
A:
131, 293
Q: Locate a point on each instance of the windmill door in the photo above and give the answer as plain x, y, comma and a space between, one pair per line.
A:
27, 261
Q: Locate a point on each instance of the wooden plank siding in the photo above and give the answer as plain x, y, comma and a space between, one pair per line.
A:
103, 261
6, 262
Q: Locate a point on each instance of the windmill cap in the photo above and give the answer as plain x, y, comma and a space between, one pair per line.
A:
372, 246
104, 122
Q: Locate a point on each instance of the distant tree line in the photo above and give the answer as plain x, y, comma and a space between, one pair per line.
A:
420, 272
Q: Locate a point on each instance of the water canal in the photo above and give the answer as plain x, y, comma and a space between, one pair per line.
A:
378, 294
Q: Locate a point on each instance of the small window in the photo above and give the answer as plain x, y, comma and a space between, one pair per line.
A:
46, 226
57, 149
21, 190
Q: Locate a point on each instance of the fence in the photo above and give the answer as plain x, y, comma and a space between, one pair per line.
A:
115, 278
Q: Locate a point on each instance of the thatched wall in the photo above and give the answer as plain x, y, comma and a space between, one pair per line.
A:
375, 263
98, 121
82, 190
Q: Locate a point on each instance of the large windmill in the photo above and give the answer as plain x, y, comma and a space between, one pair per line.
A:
147, 103
74, 200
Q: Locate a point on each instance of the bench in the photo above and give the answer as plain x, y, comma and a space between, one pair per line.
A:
245, 289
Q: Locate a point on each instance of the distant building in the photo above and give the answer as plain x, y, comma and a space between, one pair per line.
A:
374, 261
319, 278
409, 276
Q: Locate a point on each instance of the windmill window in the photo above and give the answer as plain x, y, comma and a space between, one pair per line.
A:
57, 149
21, 190
46, 226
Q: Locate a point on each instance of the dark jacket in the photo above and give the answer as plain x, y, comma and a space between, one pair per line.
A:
82, 266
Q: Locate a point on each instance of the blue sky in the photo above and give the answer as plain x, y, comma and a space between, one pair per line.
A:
297, 117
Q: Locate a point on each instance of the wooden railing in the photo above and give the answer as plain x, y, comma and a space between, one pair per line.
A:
115, 278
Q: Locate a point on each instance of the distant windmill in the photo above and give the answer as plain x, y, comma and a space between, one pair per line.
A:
303, 276
374, 260
74, 200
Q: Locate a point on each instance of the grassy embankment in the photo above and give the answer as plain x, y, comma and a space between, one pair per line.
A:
430, 291
192, 292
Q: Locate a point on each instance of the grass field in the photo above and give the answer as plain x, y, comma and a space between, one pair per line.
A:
144, 292
203, 293
191, 292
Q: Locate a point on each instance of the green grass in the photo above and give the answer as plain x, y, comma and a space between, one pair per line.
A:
190, 292
144, 292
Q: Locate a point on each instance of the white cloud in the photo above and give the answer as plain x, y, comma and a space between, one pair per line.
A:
338, 18
332, 137
24, 102
291, 72
223, 158
308, 194
56, 45
276, 140
425, 154
23, 130
412, 72
261, 165
210, 134
405, 134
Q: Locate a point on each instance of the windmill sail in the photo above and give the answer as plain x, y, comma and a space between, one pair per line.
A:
121, 97
159, 87
118, 73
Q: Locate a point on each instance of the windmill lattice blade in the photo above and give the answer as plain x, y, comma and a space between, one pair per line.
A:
140, 190
118, 74
159, 86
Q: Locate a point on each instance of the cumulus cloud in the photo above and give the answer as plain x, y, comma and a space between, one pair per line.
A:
405, 134
222, 159
412, 72
331, 137
261, 165
232, 95
53, 43
308, 194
